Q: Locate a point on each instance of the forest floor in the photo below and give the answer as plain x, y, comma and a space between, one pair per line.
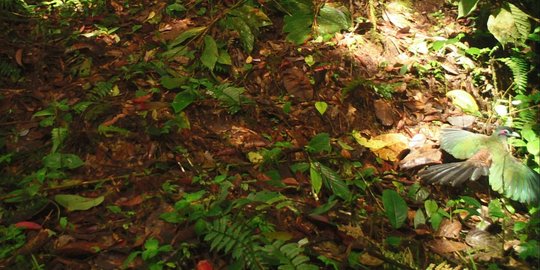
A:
100, 115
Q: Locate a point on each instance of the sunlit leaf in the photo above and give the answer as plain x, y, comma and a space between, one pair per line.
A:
463, 100
321, 106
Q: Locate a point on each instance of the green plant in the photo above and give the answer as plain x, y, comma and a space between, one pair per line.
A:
385, 90
11, 238
150, 253
237, 239
304, 19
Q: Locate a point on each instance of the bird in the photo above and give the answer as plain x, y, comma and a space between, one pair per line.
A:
484, 155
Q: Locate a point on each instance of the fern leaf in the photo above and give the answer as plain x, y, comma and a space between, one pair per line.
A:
519, 68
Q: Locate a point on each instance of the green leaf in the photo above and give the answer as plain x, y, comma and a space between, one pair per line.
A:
246, 35
76, 202
436, 220
210, 53
337, 185
321, 107
316, 178
298, 26
319, 143
224, 58
58, 160
182, 100
332, 20
419, 218
471, 201
495, 209
431, 207
465, 7
394, 207
185, 35
171, 82
58, 137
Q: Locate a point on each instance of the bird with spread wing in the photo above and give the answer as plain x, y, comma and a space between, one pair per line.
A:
485, 156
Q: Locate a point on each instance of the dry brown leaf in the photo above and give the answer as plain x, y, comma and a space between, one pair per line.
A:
449, 229
446, 246
384, 112
297, 84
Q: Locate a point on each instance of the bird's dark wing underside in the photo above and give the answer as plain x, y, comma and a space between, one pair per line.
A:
457, 173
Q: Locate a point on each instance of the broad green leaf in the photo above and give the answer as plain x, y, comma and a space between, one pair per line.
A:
185, 35
465, 7
334, 181
321, 107
49, 111
332, 20
210, 53
58, 160
395, 208
436, 220
419, 218
172, 82
58, 137
298, 27
246, 35
431, 207
319, 143
182, 100
316, 178
471, 201
533, 146
76, 202
224, 58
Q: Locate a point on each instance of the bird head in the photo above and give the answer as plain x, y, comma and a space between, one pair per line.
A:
505, 132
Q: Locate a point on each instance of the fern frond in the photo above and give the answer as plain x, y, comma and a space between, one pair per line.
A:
519, 68
236, 239
100, 91
291, 256
9, 70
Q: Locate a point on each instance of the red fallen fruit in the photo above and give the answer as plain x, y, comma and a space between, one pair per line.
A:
204, 265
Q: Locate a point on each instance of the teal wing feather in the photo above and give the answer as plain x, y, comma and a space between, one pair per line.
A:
514, 179
460, 143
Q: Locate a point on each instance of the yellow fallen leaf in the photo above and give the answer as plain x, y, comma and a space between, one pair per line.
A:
385, 146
